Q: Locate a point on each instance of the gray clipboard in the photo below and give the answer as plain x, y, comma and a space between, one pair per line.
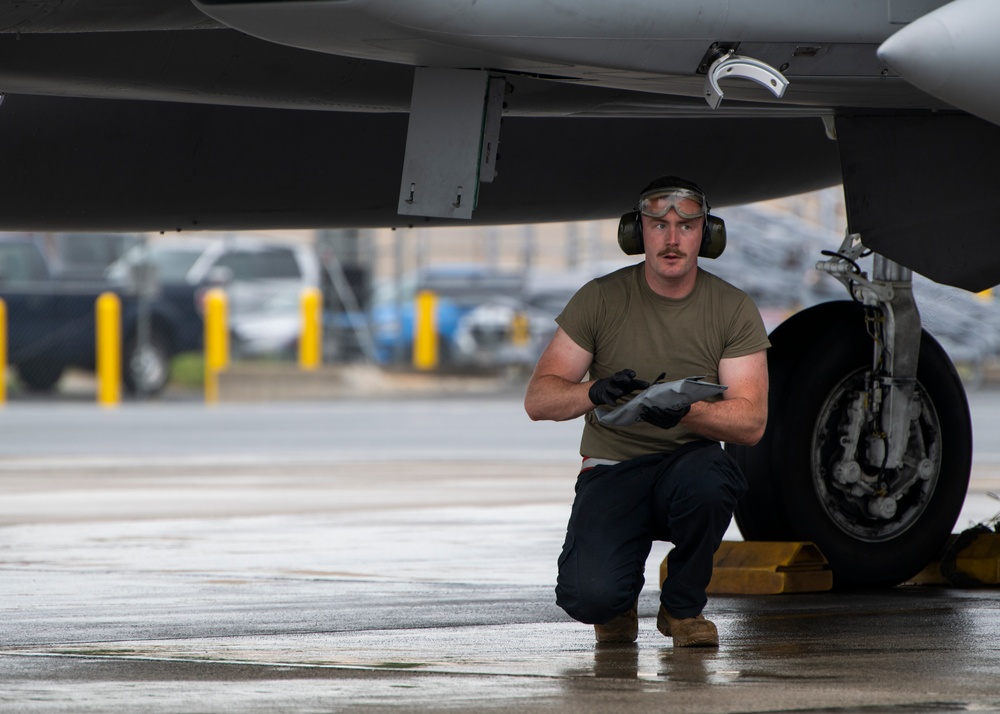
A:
669, 395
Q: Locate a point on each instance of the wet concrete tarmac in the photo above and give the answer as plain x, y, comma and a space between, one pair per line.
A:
290, 575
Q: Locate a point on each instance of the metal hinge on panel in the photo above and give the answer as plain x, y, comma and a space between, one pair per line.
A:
726, 64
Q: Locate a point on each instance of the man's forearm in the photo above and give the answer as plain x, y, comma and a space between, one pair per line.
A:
556, 399
736, 421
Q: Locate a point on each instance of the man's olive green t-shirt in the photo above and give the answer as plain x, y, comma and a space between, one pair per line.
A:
624, 324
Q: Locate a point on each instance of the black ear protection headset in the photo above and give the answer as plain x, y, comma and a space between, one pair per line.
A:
713, 236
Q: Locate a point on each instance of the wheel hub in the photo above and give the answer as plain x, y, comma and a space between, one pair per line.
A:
862, 497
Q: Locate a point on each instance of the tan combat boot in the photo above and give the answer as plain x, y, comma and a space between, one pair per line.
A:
688, 631
624, 628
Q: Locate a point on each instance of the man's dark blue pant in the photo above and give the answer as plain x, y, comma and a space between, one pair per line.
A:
686, 497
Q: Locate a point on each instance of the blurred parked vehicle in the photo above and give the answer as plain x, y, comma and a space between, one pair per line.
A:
460, 289
496, 334
268, 325
263, 282
86, 256
51, 322
486, 318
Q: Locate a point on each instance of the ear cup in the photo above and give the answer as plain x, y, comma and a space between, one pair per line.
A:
630, 233
713, 238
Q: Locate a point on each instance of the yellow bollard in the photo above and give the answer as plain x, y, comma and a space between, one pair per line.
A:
216, 341
520, 330
310, 344
109, 349
425, 340
3, 352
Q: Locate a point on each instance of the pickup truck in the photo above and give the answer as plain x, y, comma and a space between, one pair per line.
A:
51, 321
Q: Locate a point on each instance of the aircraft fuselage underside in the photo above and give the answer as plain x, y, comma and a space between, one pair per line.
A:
164, 115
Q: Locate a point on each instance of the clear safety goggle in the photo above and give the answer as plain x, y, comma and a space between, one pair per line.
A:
658, 202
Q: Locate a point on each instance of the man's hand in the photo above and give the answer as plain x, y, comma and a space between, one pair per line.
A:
610, 389
664, 418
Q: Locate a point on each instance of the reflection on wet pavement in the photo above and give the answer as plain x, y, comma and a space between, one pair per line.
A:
348, 586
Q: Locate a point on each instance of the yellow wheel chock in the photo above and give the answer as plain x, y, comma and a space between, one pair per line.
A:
970, 559
766, 568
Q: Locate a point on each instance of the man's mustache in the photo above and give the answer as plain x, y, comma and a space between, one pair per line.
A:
666, 252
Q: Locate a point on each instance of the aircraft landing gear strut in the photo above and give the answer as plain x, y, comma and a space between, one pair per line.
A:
869, 440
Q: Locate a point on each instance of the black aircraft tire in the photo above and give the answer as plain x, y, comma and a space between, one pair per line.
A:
877, 552
760, 514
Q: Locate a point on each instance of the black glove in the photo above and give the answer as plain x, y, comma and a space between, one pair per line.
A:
610, 389
664, 418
